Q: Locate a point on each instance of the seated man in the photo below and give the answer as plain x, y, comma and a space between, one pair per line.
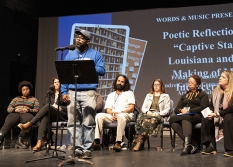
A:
119, 107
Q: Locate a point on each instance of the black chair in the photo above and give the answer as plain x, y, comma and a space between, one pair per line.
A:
167, 127
113, 126
62, 125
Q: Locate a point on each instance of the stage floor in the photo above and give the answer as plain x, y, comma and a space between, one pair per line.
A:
108, 158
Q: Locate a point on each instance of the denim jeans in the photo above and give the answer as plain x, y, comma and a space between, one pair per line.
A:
85, 119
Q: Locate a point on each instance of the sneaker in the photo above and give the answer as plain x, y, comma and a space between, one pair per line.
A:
209, 150
78, 153
96, 146
87, 155
228, 154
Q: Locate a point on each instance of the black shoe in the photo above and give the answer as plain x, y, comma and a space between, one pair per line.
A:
187, 146
209, 150
20, 144
228, 154
194, 148
87, 155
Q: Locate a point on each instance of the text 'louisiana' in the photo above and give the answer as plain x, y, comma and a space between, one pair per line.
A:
193, 60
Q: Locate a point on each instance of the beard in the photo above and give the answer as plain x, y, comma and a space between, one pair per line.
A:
120, 87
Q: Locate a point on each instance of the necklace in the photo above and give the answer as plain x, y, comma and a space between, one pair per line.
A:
115, 99
82, 54
191, 95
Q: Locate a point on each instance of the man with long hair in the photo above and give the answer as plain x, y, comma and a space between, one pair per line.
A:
119, 107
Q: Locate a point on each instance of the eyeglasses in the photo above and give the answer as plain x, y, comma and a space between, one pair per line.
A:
80, 38
191, 83
156, 84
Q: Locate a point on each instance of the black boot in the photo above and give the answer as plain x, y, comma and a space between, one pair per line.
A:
187, 146
2, 136
194, 146
20, 144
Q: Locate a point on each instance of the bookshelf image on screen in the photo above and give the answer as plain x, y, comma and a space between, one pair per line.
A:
112, 42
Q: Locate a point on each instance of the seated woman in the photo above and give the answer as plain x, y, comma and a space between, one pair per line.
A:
196, 100
155, 106
22, 109
42, 115
222, 106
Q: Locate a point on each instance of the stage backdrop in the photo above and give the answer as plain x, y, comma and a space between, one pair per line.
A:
170, 44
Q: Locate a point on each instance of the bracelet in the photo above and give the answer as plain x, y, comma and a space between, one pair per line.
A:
217, 115
122, 111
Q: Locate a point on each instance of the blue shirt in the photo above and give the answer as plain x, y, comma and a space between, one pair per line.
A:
89, 54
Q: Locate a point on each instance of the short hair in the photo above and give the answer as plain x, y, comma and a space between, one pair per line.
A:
162, 87
197, 78
127, 84
24, 83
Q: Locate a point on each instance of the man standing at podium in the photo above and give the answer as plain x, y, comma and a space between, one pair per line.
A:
86, 102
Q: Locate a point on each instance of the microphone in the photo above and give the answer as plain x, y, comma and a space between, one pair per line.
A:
51, 89
70, 47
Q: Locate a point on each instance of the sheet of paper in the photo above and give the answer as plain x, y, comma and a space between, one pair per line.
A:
206, 112
189, 113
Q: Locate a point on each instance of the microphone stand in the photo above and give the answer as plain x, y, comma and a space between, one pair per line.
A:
72, 159
48, 147
62, 54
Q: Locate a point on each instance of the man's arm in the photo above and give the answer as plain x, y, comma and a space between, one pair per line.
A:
130, 109
99, 65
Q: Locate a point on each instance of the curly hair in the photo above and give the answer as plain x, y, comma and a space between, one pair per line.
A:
197, 78
126, 86
24, 83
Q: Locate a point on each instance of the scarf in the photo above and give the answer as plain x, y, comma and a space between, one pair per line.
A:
191, 95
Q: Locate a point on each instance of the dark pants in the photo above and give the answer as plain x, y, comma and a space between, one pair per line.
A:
183, 125
207, 132
43, 117
13, 119
228, 132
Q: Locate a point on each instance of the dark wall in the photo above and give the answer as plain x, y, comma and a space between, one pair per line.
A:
18, 54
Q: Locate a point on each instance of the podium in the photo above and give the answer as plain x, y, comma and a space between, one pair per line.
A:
83, 70
76, 72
